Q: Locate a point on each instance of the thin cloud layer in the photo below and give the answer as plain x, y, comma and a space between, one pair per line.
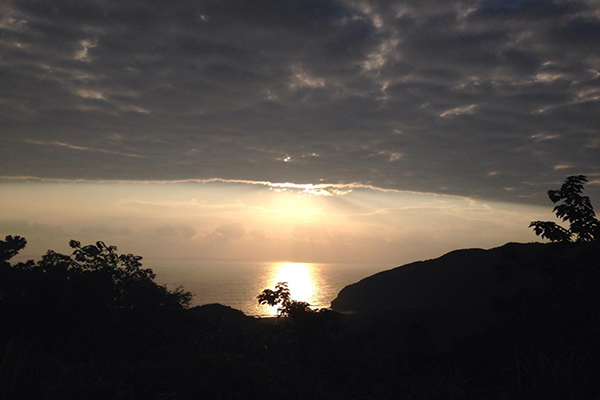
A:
224, 220
470, 98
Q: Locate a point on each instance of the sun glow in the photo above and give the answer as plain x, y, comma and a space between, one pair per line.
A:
299, 277
242, 220
293, 207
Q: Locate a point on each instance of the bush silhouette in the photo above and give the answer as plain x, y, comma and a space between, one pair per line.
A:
573, 208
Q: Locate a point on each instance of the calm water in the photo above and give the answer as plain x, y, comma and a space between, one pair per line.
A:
237, 284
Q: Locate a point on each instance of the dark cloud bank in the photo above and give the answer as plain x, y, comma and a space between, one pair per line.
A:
493, 99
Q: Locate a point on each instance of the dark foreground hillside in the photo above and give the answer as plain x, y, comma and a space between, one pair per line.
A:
88, 326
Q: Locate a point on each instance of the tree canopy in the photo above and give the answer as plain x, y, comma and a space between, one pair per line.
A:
281, 297
86, 289
574, 208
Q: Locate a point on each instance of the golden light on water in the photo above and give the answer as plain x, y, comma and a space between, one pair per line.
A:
302, 281
299, 277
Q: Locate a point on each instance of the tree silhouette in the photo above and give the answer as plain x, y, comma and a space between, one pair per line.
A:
93, 284
573, 208
281, 297
10, 247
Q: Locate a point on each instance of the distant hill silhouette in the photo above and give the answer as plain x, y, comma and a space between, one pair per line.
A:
469, 279
219, 315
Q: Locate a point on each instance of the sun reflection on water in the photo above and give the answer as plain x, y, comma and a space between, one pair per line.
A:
301, 281
299, 278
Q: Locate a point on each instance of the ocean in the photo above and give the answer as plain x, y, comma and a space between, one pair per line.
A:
236, 284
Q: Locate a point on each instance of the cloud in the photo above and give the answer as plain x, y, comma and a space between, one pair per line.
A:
538, 137
26, 228
563, 166
308, 189
83, 148
459, 110
94, 232
174, 232
231, 90
232, 231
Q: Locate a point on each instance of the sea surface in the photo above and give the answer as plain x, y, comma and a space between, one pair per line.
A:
236, 284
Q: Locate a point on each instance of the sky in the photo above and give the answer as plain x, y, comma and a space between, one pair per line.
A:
306, 130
